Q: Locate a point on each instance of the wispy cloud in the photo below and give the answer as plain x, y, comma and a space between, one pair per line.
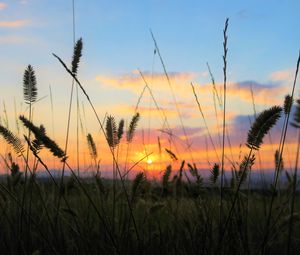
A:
265, 94
282, 75
14, 23
2, 6
134, 82
12, 39
242, 14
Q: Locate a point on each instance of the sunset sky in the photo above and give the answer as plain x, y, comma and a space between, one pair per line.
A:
263, 45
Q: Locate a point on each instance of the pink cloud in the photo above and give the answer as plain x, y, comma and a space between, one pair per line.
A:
134, 81
14, 23
2, 6
14, 40
264, 94
281, 75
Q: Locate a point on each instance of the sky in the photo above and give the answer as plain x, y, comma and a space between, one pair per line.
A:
263, 45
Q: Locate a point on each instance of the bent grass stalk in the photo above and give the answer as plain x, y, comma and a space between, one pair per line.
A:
205, 123
187, 141
114, 158
58, 152
160, 110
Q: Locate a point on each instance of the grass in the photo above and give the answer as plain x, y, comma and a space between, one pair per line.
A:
182, 213
177, 218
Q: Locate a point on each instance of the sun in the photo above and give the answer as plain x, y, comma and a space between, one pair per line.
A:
149, 161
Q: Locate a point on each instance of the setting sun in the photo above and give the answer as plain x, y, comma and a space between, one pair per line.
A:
149, 161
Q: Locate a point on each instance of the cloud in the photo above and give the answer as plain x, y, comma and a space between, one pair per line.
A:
134, 82
14, 40
242, 14
14, 23
264, 94
282, 75
2, 6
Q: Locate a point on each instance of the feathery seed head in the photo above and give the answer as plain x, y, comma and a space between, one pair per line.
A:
41, 136
13, 140
132, 127
262, 125
111, 132
120, 130
29, 85
288, 102
76, 56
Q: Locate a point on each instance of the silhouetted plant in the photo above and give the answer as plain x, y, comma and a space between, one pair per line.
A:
92, 146
132, 127
29, 85
120, 130
278, 161
137, 182
165, 179
76, 56
245, 167
263, 123
40, 134
13, 140
171, 154
288, 102
214, 174
111, 132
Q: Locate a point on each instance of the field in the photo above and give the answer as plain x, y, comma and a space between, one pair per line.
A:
178, 213
171, 217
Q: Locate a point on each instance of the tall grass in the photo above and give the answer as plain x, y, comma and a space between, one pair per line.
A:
224, 124
182, 213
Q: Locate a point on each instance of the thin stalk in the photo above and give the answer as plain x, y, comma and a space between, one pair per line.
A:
205, 123
188, 144
135, 164
52, 118
215, 99
94, 207
224, 126
69, 114
114, 192
39, 192
291, 221
77, 97
65, 150
16, 117
26, 172
47, 242
160, 110
281, 149
224, 229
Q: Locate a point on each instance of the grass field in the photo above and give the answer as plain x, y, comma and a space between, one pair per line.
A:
171, 217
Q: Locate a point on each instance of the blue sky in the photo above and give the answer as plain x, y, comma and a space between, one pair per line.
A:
264, 36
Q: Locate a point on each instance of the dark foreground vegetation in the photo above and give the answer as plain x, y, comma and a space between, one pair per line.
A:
170, 217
